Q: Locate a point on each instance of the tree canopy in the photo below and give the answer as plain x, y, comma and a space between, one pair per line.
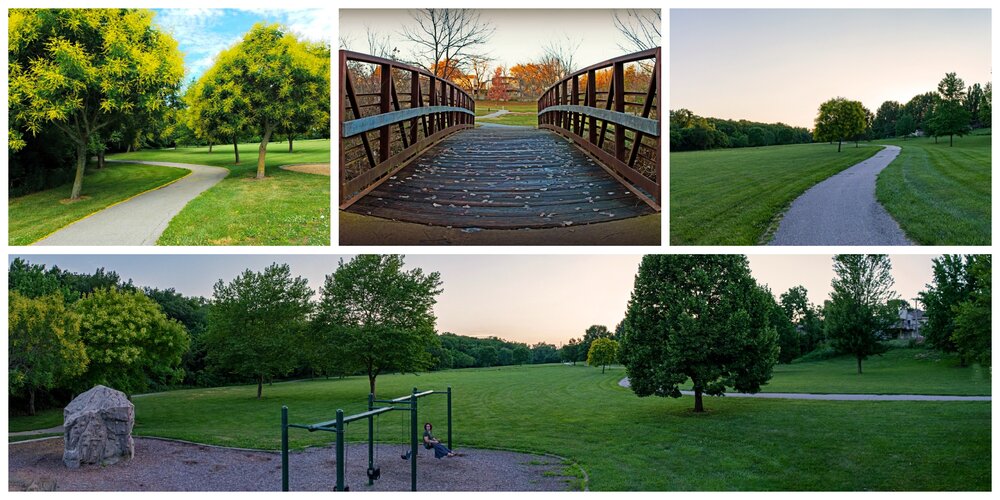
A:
840, 119
698, 317
603, 352
859, 312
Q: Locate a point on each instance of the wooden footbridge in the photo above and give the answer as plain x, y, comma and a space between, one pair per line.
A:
410, 151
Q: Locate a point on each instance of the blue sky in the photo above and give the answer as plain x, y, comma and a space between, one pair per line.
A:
203, 33
525, 298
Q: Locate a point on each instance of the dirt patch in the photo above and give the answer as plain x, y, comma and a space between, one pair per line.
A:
172, 466
70, 201
358, 229
309, 168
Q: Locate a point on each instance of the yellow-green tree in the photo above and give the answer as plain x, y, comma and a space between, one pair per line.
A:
279, 77
84, 70
43, 344
603, 352
839, 119
217, 109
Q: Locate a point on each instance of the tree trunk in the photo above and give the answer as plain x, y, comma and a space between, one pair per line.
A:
289, 144
31, 401
262, 152
839, 143
260, 385
951, 140
859, 365
236, 150
371, 383
698, 406
100, 159
81, 166
603, 367
210, 147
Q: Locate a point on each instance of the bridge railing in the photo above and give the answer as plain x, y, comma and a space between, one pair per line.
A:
389, 112
618, 123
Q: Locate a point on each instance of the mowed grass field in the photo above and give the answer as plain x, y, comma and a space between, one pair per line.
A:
735, 196
286, 208
34, 216
940, 195
630, 443
522, 113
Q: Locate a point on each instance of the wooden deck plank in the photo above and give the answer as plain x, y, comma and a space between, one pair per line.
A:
502, 178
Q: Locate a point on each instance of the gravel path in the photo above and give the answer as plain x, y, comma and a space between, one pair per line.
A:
840, 397
842, 210
173, 466
309, 168
140, 220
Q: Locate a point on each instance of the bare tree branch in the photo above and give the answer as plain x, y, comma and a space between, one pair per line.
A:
560, 54
446, 38
641, 28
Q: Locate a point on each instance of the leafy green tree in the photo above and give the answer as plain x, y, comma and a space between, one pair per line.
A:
603, 352
278, 79
884, 124
521, 355
217, 109
379, 316
83, 71
698, 317
805, 316
570, 351
949, 289
43, 344
129, 341
789, 344
972, 101
973, 321
986, 105
950, 117
257, 322
592, 333
543, 353
34, 281
905, 125
859, 312
838, 120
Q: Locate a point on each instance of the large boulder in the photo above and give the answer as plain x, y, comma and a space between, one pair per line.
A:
98, 426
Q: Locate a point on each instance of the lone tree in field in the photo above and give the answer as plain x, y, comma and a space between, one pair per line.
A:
698, 317
278, 80
498, 86
840, 119
257, 322
859, 312
603, 352
377, 316
950, 117
84, 71
43, 345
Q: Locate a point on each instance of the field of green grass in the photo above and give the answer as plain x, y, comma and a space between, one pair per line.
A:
286, 208
940, 195
487, 107
34, 216
630, 443
735, 196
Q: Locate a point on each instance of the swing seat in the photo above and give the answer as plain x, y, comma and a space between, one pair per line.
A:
405, 456
374, 473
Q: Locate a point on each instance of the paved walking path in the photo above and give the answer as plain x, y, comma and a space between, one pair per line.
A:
840, 397
842, 210
140, 220
495, 114
51, 430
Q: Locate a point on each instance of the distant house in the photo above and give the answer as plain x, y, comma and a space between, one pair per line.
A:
909, 324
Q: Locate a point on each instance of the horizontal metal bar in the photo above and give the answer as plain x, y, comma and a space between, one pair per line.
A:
419, 395
299, 426
357, 126
645, 125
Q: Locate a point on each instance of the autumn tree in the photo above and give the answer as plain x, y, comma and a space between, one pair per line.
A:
603, 352
83, 71
257, 323
44, 347
950, 117
278, 80
839, 119
859, 312
452, 35
701, 318
378, 317
498, 86
129, 341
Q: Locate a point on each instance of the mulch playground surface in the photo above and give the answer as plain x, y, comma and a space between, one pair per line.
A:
161, 465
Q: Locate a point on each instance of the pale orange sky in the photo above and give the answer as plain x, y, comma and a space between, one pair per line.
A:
524, 298
771, 65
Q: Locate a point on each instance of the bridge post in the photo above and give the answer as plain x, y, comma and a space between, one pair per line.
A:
575, 100
619, 78
432, 96
592, 102
414, 103
385, 106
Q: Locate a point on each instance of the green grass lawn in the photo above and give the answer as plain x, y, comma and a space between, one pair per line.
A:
34, 216
734, 196
487, 107
625, 442
286, 208
940, 195
519, 119
14, 439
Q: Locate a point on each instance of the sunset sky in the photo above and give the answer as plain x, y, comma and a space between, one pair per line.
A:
778, 65
525, 298
520, 36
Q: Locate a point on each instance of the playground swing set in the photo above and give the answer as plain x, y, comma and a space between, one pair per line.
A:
339, 426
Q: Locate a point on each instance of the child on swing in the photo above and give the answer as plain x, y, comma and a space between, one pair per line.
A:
430, 442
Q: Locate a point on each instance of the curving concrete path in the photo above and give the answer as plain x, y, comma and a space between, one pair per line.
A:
840, 397
495, 114
140, 220
842, 210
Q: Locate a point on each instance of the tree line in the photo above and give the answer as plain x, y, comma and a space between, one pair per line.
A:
84, 82
690, 132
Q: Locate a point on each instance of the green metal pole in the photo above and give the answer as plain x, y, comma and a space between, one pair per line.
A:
340, 450
449, 417
284, 448
371, 445
413, 440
